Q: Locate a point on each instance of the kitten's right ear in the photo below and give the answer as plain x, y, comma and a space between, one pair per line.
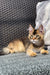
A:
31, 29
41, 29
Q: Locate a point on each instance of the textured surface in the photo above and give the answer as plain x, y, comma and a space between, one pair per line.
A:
21, 64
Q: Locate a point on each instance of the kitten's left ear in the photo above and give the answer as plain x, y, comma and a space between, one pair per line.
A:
31, 29
41, 29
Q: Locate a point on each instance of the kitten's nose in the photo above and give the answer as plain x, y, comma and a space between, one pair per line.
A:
33, 38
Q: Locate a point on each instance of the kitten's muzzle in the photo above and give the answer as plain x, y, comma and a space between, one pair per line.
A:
37, 42
34, 38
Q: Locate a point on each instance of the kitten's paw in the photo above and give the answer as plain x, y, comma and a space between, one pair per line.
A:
31, 53
44, 51
11, 51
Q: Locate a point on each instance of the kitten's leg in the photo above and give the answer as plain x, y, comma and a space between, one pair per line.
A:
8, 50
30, 51
11, 47
11, 51
43, 51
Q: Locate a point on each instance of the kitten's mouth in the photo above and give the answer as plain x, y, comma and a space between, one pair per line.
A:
37, 42
34, 41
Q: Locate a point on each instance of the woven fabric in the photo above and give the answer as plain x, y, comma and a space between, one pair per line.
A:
15, 16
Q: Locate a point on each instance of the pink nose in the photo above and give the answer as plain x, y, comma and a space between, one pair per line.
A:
33, 38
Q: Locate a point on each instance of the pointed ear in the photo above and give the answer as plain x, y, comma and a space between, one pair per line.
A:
31, 29
41, 29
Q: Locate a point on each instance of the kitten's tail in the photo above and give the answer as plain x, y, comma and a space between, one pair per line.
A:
4, 51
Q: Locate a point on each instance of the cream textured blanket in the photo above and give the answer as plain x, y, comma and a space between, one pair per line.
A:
43, 17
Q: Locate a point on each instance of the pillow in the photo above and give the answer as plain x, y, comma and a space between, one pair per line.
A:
43, 17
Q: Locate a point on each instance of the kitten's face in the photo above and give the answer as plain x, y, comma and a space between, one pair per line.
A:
36, 36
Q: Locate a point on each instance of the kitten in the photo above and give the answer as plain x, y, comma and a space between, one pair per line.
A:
34, 41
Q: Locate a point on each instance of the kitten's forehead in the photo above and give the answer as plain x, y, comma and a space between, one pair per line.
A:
35, 31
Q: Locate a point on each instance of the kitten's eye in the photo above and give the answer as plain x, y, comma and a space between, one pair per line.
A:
31, 37
37, 35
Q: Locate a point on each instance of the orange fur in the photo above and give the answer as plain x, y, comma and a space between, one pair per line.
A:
44, 51
16, 46
31, 53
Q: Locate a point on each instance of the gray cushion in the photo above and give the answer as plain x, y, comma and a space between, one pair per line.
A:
21, 64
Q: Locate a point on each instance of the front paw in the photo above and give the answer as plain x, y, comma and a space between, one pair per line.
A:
11, 51
31, 53
44, 51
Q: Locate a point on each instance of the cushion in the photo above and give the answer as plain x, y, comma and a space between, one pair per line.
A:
21, 64
43, 17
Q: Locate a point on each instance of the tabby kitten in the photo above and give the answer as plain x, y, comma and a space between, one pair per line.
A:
34, 41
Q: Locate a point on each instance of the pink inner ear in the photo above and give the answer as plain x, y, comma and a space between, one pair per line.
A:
41, 29
30, 28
